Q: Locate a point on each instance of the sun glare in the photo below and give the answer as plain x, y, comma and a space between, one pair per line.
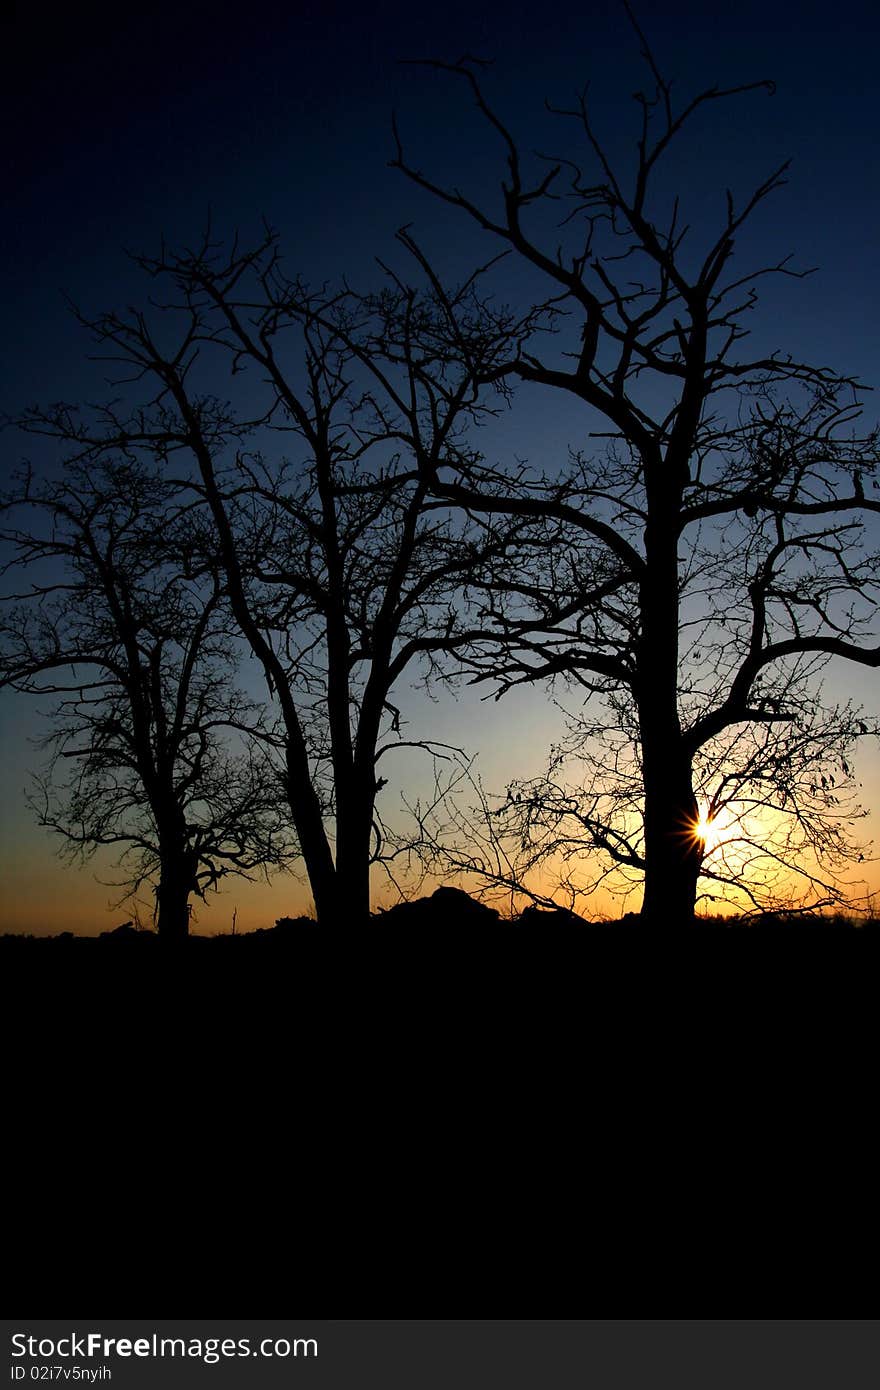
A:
708, 830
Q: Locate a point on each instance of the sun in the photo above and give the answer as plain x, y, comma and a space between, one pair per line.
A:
708, 830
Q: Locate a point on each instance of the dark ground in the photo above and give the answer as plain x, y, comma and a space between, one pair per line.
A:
448, 955
441, 1113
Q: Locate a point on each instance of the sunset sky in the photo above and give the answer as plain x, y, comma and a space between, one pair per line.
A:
122, 128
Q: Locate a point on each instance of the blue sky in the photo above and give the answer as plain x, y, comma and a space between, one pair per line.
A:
121, 128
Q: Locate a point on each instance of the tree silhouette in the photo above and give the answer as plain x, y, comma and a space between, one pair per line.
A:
340, 570
691, 574
122, 627
694, 577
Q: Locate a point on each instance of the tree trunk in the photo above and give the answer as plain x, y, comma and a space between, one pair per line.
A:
354, 825
353, 872
321, 871
178, 869
341, 891
673, 852
341, 898
172, 899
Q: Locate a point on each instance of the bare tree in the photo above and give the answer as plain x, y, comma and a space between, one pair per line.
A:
122, 627
341, 571
694, 577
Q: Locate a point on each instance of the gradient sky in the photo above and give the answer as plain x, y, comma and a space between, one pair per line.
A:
120, 128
